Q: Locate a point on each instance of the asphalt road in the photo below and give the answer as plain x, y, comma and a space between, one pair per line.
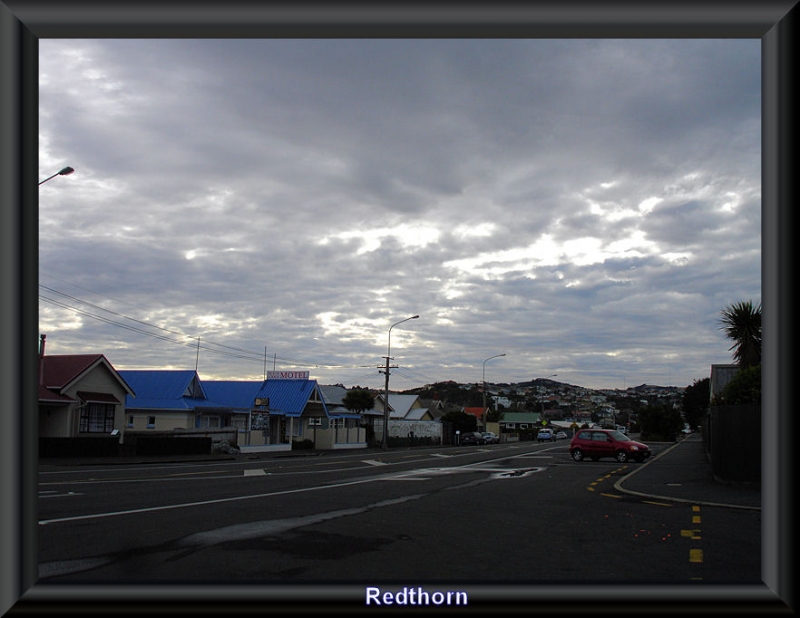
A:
502, 514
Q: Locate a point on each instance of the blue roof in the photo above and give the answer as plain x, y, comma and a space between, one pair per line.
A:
163, 389
235, 394
183, 390
289, 397
157, 384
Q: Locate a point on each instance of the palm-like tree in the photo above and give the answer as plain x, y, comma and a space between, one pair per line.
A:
742, 324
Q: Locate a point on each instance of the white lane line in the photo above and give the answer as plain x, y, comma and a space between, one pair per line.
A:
56, 495
168, 507
374, 462
496, 473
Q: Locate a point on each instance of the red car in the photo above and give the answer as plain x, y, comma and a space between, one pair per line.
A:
597, 443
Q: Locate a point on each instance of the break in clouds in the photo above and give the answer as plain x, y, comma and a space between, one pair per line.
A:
586, 207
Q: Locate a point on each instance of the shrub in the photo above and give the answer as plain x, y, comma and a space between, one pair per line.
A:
744, 387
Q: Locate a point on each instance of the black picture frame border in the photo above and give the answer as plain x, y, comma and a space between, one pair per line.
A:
24, 22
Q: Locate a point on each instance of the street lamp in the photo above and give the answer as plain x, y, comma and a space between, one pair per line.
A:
545, 378
64, 172
484, 384
385, 444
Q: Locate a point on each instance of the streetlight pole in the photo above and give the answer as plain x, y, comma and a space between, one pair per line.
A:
545, 378
63, 172
484, 385
385, 444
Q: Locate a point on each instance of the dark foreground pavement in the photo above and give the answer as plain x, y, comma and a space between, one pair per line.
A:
683, 472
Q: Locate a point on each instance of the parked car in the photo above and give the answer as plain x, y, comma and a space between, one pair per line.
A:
490, 437
596, 443
470, 437
561, 435
546, 435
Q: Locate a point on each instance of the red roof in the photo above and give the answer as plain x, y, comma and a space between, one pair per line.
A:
59, 371
477, 412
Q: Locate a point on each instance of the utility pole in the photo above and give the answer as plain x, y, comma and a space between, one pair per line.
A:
388, 357
385, 441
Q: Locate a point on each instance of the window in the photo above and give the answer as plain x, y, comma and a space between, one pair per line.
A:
315, 421
97, 418
151, 422
207, 422
130, 421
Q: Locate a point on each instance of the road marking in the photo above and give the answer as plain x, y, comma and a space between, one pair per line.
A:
427, 473
611, 495
657, 503
496, 472
56, 495
440, 455
695, 555
255, 472
374, 462
182, 505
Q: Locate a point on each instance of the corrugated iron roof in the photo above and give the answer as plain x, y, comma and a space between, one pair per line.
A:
57, 372
170, 390
159, 384
61, 369
235, 393
289, 397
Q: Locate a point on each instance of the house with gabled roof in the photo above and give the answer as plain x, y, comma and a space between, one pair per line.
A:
168, 400
404, 407
513, 422
263, 415
80, 395
480, 414
408, 419
436, 407
298, 411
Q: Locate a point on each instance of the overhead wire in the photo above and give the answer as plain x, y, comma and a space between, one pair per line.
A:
171, 336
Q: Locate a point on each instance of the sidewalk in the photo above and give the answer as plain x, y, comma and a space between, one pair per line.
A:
682, 472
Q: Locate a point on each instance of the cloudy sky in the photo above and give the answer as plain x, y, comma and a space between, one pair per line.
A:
585, 207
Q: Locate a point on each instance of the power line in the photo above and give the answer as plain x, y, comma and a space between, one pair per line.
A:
170, 335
